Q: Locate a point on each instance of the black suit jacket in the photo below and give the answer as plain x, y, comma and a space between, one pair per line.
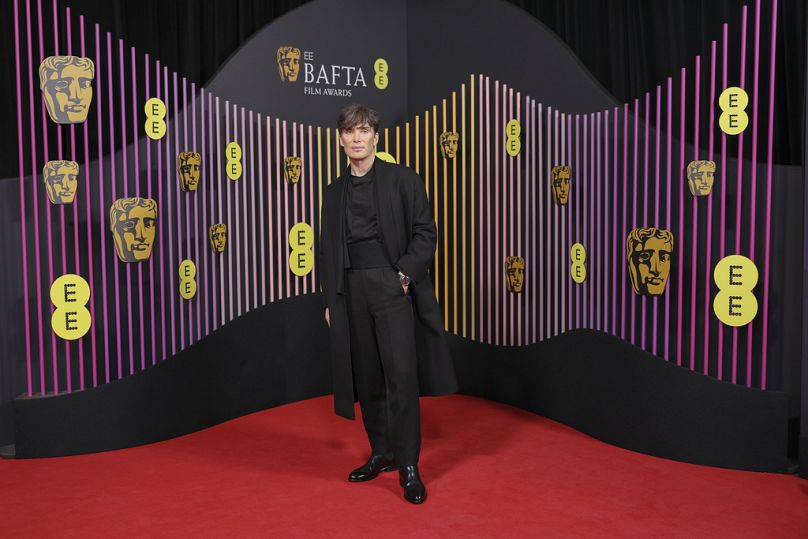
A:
408, 232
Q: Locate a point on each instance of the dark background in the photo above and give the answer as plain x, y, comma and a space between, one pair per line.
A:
629, 46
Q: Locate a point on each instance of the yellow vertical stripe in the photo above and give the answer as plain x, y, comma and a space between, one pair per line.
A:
407, 142
435, 191
455, 209
398, 144
472, 282
387, 140
417, 145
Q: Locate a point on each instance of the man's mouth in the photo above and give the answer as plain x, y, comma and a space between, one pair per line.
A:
654, 281
139, 246
74, 108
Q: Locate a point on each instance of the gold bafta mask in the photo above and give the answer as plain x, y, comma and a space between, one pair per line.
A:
133, 223
561, 184
189, 166
649, 259
218, 237
61, 181
66, 83
515, 273
289, 63
291, 168
448, 144
700, 177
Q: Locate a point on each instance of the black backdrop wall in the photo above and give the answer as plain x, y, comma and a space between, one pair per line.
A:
629, 45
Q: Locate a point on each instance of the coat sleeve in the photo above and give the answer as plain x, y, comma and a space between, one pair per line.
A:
321, 258
420, 250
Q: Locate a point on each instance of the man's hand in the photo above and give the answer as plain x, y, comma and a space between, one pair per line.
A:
406, 288
327, 318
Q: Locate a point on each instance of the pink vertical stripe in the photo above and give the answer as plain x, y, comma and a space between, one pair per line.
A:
496, 232
488, 314
285, 275
556, 253
125, 156
708, 254
578, 200
167, 221
295, 218
311, 184
270, 221
624, 233
769, 154
63, 227
256, 219
635, 188
232, 231
220, 187
279, 229
152, 311
197, 300
680, 248
161, 227
116, 263
102, 219
77, 266
262, 219
207, 180
178, 208
598, 228
616, 234
722, 220
480, 197
753, 188
243, 182
645, 205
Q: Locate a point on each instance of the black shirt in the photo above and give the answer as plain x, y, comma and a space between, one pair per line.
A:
360, 209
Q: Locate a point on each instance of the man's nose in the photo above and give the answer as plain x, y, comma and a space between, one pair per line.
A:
140, 231
654, 265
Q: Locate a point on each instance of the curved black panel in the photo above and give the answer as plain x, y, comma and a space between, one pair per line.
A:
618, 393
265, 358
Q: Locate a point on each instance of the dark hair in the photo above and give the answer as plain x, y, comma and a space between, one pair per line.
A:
356, 114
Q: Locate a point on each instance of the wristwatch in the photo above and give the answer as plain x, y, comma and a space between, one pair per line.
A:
404, 279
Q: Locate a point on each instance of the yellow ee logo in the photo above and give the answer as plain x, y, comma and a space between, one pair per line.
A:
187, 273
733, 102
301, 259
380, 69
155, 110
578, 258
735, 304
233, 154
71, 320
513, 145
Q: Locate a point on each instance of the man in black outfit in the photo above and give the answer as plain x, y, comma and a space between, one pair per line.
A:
377, 242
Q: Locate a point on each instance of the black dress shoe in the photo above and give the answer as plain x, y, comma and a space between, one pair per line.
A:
414, 489
372, 468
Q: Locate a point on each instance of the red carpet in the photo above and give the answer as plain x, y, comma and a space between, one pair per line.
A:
491, 471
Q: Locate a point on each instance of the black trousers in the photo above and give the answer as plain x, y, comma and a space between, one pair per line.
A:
384, 364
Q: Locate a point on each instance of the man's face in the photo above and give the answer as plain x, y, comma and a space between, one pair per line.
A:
515, 273
189, 173
68, 93
134, 234
650, 265
448, 144
218, 237
359, 141
291, 167
61, 185
701, 180
561, 185
289, 64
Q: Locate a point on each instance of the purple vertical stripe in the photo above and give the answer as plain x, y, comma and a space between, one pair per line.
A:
35, 167
23, 232
578, 199
125, 157
753, 188
668, 223
262, 220
708, 254
232, 230
102, 219
598, 228
574, 183
635, 188
170, 181
769, 153
62, 228
489, 315
695, 222
496, 232
219, 190
295, 217
480, 196
88, 216
271, 231
556, 253
312, 181
161, 227
197, 301
256, 218
175, 186
278, 229
69, 26
116, 264
616, 235
152, 311
185, 207
624, 232
285, 229
680, 265
243, 183
208, 181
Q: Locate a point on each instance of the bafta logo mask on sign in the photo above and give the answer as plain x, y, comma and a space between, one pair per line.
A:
133, 224
189, 165
291, 168
384, 156
560, 184
218, 236
289, 63
66, 83
700, 177
61, 181
448, 144
649, 259
515, 273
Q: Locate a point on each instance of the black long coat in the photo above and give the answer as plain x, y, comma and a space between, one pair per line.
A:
409, 235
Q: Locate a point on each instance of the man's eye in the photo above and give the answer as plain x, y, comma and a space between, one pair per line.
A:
85, 83
148, 222
128, 225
